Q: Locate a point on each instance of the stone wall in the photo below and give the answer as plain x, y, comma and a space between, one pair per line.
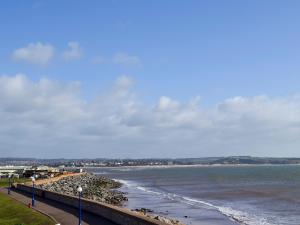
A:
115, 214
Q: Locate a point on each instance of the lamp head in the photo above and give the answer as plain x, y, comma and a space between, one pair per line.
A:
79, 189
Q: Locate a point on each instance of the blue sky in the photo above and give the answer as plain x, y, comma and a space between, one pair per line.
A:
215, 49
222, 51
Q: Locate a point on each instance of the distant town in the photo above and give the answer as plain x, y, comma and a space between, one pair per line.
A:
45, 168
102, 162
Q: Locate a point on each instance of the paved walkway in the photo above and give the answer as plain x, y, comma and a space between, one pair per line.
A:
65, 215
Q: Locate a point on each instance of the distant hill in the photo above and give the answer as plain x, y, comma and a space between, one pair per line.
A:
152, 161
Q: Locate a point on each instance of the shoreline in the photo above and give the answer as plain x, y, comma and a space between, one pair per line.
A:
100, 189
225, 190
216, 213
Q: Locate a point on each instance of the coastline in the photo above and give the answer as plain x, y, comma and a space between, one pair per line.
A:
171, 203
100, 189
171, 194
145, 196
249, 195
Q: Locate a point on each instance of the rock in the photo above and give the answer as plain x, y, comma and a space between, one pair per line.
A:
144, 210
148, 213
100, 189
96, 188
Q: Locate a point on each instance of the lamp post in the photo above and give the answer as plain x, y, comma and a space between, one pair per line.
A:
33, 199
79, 189
9, 184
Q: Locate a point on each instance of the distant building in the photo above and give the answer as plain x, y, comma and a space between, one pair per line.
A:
41, 171
16, 171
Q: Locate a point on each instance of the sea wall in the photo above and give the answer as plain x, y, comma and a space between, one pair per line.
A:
115, 214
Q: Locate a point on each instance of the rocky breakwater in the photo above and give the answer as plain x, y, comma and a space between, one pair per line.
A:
94, 187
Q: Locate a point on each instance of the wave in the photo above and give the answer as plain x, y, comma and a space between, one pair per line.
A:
124, 182
100, 173
233, 214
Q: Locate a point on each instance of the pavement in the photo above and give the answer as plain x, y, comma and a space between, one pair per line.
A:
63, 214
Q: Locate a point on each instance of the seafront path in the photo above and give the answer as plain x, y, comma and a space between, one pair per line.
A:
63, 214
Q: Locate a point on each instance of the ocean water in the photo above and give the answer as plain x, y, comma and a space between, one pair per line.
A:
213, 195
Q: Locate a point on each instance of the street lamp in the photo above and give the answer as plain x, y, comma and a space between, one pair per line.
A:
9, 184
33, 200
79, 189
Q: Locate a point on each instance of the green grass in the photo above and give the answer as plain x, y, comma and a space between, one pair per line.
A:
15, 213
4, 181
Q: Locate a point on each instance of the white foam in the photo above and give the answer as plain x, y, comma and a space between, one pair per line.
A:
125, 182
198, 201
235, 215
242, 217
148, 191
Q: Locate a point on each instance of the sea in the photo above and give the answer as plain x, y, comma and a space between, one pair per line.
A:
214, 195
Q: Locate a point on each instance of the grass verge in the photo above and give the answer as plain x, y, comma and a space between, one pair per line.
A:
15, 213
4, 181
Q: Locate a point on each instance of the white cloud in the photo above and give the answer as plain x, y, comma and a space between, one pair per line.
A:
125, 59
34, 53
49, 119
166, 103
73, 53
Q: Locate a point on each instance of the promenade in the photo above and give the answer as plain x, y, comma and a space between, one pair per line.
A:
63, 214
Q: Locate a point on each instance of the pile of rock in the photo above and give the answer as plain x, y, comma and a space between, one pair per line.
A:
148, 213
94, 187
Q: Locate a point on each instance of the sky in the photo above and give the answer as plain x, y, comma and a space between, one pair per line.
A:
140, 79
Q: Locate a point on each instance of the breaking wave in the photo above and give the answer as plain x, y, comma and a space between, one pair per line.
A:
233, 214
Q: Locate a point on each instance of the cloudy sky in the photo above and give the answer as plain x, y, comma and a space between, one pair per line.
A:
149, 78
